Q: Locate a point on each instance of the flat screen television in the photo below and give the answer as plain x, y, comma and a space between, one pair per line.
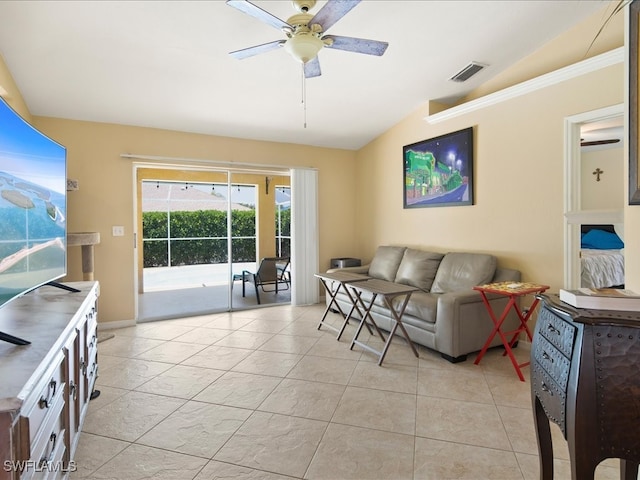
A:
33, 208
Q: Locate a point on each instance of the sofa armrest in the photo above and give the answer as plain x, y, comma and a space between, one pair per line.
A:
462, 319
364, 269
506, 275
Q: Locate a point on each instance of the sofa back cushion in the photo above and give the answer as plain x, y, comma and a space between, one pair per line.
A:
461, 271
385, 262
418, 268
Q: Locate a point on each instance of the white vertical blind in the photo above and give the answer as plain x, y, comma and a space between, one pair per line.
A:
304, 236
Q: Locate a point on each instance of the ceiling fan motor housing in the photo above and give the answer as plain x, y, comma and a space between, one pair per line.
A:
300, 21
304, 43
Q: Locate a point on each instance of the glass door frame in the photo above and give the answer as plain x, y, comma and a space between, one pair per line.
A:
175, 171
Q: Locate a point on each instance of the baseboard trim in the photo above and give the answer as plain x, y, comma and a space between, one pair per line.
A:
116, 324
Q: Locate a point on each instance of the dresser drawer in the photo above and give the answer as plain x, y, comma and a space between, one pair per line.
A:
552, 397
560, 333
49, 432
92, 343
51, 466
92, 325
48, 391
49, 441
551, 360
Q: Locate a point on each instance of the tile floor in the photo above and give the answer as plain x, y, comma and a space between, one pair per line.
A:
262, 394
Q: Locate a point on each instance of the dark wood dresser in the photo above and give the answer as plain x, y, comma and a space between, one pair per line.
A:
585, 377
45, 387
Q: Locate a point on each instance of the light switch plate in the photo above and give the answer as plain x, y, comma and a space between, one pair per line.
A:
118, 231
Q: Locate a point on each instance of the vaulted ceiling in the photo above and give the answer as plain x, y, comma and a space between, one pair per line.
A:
165, 64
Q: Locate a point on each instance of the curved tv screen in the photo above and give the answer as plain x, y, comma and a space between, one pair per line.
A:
32, 207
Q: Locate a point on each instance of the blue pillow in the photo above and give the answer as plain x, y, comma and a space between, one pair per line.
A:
601, 240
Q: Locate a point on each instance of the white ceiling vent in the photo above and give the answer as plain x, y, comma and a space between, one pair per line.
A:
467, 72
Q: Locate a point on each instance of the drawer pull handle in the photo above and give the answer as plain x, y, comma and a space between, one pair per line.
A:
51, 392
546, 356
73, 390
553, 329
545, 388
47, 460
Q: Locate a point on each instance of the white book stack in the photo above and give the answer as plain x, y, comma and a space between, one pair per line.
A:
602, 299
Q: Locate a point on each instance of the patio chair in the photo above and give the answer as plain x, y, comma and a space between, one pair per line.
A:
272, 276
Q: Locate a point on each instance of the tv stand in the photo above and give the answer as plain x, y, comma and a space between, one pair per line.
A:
46, 388
63, 287
5, 337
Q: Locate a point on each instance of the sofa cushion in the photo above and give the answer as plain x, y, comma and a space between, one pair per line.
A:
460, 271
385, 263
421, 305
418, 268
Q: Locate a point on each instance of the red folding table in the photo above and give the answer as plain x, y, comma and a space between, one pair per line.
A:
513, 290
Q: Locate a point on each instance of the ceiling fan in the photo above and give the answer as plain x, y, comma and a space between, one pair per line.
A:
306, 33
598, 142
601, 136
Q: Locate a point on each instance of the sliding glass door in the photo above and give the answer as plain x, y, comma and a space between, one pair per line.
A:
200, 241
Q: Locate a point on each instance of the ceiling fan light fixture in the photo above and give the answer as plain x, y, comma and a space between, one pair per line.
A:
304, 46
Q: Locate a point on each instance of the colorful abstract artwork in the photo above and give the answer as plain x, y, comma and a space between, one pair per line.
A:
439, 172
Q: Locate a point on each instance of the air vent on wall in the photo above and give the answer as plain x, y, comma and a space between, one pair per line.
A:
467, 72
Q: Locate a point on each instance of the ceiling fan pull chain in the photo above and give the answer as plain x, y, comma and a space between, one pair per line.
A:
302, 85
304, 96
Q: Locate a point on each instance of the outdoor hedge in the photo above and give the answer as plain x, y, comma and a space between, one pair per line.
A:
200, 237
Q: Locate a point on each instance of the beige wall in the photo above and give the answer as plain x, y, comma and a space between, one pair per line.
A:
106, 181
518, 211
608, 193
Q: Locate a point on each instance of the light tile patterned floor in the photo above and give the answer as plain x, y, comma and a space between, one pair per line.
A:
262, 394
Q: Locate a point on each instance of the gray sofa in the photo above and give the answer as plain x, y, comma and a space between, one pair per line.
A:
446, 314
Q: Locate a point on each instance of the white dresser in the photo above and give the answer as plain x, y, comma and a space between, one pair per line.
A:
45, 386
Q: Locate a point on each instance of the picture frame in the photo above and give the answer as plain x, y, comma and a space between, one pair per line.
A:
634, 125
438, 172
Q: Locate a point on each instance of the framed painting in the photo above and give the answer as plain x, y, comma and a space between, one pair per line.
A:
438, 172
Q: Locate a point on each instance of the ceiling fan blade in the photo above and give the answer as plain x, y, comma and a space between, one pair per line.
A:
312, 68
358, 45
256, 12
251, 51
599, 142
332, 11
